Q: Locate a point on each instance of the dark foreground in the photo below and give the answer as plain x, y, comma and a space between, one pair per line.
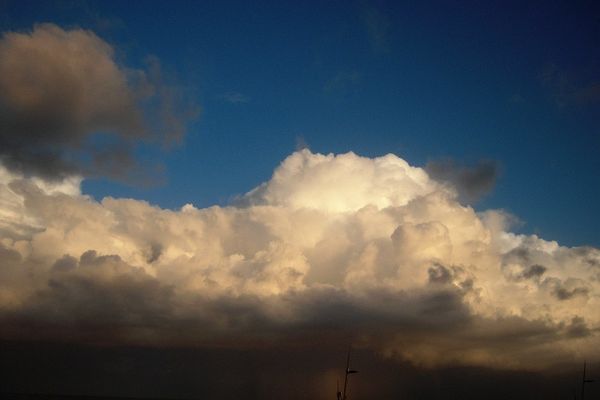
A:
36, 371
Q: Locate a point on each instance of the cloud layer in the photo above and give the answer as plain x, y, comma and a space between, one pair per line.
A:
333, 247
67, 106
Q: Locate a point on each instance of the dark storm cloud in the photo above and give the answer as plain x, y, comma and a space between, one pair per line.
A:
67, 106
93, 299
100, 299
472, 182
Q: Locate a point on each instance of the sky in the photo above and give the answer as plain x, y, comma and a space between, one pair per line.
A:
200, 186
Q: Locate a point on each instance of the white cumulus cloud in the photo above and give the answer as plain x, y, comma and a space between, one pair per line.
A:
333, 246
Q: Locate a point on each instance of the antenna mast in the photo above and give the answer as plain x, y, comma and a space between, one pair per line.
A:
348, 372
583, 382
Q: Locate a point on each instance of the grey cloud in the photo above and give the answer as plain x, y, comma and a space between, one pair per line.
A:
577, 328
520, 254
155, 252
589, 255
102, 296
566, 89
65, 264
67, 106
566, 289
533, 271
9, 256
379, 311
170, 109
564, 293
439, 274
109, 300
472, 182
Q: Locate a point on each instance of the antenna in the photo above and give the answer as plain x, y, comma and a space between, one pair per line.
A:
348, 372
583, 382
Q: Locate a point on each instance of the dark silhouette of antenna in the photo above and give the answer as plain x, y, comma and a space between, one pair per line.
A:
342, 396
583, 382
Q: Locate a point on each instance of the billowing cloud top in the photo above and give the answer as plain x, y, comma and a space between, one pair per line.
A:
333, 246
342, 183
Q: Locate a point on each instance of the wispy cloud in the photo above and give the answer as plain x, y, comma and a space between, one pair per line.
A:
342, 82
301, 143
377, 25
566, 89
234, 97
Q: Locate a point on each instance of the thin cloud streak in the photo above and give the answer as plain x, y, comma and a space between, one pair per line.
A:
377, 25
234, 97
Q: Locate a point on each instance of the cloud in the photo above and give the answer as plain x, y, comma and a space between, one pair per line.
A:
346, 182
342, 82
234, 97
333, 248
301, 143
377, 25
567, 89
472, 182
68, 107
534, 271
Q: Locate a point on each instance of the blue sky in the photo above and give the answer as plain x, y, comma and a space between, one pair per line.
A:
517, 84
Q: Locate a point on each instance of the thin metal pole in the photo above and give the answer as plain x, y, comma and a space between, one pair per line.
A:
346, 372
583, 383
